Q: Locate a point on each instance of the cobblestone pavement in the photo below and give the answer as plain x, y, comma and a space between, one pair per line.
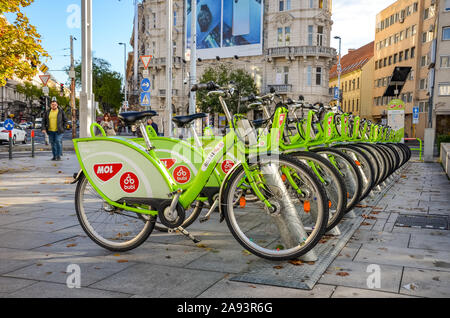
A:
40, 237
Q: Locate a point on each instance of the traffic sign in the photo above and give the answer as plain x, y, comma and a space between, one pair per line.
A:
44, 68
415, 115
145, 73
146, 60
45, 90
9, 124
145, 99
44, 79
145, 85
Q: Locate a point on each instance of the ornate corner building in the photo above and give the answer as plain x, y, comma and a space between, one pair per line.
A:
295, 56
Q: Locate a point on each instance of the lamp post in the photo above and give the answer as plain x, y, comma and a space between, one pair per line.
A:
339, 70
125, 73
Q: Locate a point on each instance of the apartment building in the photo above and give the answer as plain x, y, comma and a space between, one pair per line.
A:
441, 94
404, 35
295, 55
356, 81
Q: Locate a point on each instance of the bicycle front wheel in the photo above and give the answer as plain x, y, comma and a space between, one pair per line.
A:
298, 217
112, 228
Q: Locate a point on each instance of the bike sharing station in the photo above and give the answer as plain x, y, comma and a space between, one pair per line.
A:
167, 183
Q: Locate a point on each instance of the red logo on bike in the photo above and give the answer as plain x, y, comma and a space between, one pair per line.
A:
227, 165
282, 116
129, 182
182, 174
107, 171
168, 162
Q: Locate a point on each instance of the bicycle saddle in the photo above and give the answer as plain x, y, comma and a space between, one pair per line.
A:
182, 121
130, 118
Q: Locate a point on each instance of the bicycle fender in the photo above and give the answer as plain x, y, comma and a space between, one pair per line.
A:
77, 176
222, 187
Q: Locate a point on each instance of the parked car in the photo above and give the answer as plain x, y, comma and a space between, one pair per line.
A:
26, 125
18, 134
38, 123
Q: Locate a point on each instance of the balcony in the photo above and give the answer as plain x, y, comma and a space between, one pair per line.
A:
281, 88
162, 61
301, 51
162, 92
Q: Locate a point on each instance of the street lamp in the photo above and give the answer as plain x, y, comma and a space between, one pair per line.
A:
125, 71
339, 70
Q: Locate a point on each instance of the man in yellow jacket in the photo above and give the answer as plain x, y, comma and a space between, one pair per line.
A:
54, 122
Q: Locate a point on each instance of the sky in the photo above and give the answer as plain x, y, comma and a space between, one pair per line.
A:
56, 20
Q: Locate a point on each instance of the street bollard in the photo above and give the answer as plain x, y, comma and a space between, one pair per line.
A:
10, 145
32, 143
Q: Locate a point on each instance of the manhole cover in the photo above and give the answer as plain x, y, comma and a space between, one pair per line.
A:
423, 222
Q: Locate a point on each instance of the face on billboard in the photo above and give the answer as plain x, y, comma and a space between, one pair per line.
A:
226, 28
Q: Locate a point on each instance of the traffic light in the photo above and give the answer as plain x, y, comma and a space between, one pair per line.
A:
43, 103
62, 89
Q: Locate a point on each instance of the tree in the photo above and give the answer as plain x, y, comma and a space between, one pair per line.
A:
31, 92
107, 84
223, 75
20, 44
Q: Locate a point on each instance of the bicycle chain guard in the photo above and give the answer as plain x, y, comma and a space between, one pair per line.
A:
171, 219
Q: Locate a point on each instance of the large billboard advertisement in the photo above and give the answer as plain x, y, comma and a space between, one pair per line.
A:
226, 28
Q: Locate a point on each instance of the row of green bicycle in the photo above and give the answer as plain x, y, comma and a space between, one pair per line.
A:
280, 183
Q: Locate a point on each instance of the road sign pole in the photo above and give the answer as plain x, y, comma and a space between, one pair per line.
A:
10, 145
32, 143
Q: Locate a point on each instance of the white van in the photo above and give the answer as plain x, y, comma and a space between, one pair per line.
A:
38, 123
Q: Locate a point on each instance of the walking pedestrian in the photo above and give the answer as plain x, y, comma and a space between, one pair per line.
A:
108, 125
53, 124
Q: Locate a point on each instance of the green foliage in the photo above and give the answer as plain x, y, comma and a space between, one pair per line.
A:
223, 75
20, 43
107, 84
442, 139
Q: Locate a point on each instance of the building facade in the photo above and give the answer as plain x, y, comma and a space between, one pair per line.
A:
356, 81
404, 35
441, 94
295, 59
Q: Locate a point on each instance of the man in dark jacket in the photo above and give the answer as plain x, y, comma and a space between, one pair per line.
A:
54, 123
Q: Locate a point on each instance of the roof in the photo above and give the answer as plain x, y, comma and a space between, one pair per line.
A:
354, 60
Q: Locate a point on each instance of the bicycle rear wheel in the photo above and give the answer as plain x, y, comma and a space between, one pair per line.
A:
294, 225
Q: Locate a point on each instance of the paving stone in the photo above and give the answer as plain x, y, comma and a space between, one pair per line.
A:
43, 224
10, 285
418, 258
28, 240
388, 227
230, 289
160, 281
380, 238
356, 274
79, 245
53, 290
162, 254
439, 242
13, 259
6, 220
425, 283
54, 269
349, 251
347, 292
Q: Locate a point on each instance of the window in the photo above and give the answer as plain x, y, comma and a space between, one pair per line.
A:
410, 97
423, 84
281, 5
400, 56
396, 38
414, 30
392, 19
319, 35
406, 54
409, 11
174, 18
154, 20
310, 34
282, 76
413, 52
402, 34
174, 48
385, 62
445, 61
426, 13
319, 76
444, 89
287, 36
357, 85
423, 61
311, 4
288, 4
424, 37
395, 58
390, 60
446, 34
320, 4
447, 5
411, 75
309, 76
407, 33
280, 37
415, 6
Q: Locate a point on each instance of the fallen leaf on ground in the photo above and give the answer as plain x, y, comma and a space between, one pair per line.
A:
342, 274
122, 261
278, 267
365, 223
296, 262
48, 222
72, 245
